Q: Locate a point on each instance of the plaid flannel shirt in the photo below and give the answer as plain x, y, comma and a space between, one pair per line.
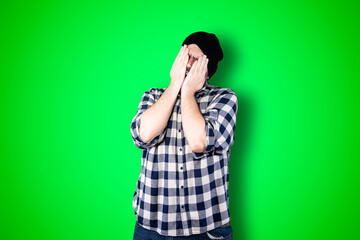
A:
180, 192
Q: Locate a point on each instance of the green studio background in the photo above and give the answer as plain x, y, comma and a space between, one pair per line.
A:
72, 76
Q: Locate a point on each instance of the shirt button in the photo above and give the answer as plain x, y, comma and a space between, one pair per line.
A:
180, 149
182, 206
179, 130
182, 187
181, 168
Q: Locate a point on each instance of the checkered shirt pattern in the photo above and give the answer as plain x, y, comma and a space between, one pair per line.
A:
180, 192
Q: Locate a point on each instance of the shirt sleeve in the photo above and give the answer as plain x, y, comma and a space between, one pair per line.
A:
220, 121
147, 100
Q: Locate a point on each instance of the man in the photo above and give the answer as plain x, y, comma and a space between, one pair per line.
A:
185, 132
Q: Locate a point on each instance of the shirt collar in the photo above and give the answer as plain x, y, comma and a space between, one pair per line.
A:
203, 89
205, 86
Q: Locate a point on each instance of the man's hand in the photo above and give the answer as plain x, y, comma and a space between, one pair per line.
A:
177, 73
155, 118
195, 80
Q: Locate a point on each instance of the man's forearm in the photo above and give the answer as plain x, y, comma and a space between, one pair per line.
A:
193, 122
154, 119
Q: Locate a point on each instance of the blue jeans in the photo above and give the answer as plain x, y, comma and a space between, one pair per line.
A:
222, 232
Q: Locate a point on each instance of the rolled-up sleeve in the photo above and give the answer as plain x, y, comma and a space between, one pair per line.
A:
147, 100
220, 121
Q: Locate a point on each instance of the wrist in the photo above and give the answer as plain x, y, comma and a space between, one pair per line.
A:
187, 92
173, 88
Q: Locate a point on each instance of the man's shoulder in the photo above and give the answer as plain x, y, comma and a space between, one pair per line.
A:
157, 89
155, 92
221, 91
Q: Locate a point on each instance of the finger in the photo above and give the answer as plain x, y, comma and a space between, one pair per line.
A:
184, 53
183, 59
178, 55
199, 65
184, 48
184, 62
201, 61
194, 66
186, 58
206, 65
181, 52
203, 64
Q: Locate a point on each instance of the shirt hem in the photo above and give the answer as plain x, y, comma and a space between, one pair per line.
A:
194, 233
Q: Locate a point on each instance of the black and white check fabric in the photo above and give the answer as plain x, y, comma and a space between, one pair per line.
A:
180, 192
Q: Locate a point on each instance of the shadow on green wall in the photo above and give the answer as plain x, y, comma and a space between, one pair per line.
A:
237, 163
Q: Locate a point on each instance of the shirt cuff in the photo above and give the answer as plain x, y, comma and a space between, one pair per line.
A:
210, 126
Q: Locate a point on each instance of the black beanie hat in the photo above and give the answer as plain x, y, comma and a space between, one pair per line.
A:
209, 45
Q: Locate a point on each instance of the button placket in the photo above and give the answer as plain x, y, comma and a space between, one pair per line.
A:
181, 181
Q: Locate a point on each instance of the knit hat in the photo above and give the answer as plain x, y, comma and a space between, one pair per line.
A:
209, 45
